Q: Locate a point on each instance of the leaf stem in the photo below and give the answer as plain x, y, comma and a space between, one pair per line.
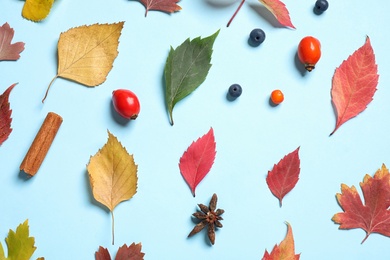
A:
47, 90
235, 13
112, 227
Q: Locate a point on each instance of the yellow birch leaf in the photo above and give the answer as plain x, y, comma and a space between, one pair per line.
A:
36, 10
112, 175
86, 54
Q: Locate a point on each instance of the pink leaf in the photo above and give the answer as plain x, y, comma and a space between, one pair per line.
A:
5, 115
354, 84
9, 51
284, 176
279, 10
196, 162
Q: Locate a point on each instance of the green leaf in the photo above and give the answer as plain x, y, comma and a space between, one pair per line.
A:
20, 244
186, 69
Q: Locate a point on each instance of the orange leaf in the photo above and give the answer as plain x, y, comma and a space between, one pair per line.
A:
354, 84
279, 10
374, 216
285, 250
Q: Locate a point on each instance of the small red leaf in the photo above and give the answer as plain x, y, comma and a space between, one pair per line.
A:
196, 162
168, 6
9, 51
5, 115
279, 10
354, 84
102, 254
284, 176
132, 252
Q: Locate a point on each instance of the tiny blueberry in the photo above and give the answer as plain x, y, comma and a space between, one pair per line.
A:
321, 6
235, 90
256, 37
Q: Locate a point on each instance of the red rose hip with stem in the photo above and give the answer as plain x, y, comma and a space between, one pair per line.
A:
309, 52
126, 103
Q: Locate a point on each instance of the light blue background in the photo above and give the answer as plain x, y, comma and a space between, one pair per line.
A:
251, 135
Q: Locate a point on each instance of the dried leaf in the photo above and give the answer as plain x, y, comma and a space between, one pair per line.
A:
19, 243
9, 51
5, 115
354, 84
36, 10
198, 159
279, 10
86, 54
112, 175
186, 69
284, 176
102, 254
374, 216
168, 6
132, 252
285, 250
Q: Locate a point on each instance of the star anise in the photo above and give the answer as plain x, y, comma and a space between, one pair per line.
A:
210, 217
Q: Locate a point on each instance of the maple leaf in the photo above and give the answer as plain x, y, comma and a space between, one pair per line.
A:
279, 10
186, 69
354, 84
374, 216
112, 175
132, 252
284, 175
5, 115
198, 159
36, 10
9, 51
19, 243
285, 250
86, 53
168, 6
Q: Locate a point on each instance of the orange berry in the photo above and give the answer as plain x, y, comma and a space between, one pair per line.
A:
309, 52
277, 97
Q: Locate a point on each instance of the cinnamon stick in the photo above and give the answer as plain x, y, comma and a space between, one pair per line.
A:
41, 144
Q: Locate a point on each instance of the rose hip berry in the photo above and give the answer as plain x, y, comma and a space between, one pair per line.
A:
277, 97
235, 90
309, 52
126, 103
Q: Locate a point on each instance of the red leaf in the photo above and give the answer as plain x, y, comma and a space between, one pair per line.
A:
284, 176
102, 254
374, 216
354, 84
285, 250
5, 115
196, 162
133, 252
9, 51
279, 10
168, 6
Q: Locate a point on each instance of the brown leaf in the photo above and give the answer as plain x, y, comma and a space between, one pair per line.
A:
9, 51
132, 252
5, 115
168, 6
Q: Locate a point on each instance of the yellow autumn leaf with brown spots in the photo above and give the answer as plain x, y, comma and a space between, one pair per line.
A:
112, 175
86, 54
36, 10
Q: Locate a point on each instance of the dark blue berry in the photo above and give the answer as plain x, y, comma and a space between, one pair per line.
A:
321, 6
256, 37
235, 90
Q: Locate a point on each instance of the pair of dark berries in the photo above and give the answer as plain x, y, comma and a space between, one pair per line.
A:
321, 6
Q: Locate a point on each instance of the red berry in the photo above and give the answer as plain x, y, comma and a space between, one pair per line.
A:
309, 52
126, 103
277, 97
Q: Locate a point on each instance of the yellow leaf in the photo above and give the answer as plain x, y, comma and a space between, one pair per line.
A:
112, 175
36, 10
86, 54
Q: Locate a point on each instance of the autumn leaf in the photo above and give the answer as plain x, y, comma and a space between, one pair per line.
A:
285, 250
284, 176
132, 252
19, 243
168, 6
186, 69
86, 54
112, 175
8, 51
36, 10
5, 115
374, 216
198, 159
279, 10
354, 84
